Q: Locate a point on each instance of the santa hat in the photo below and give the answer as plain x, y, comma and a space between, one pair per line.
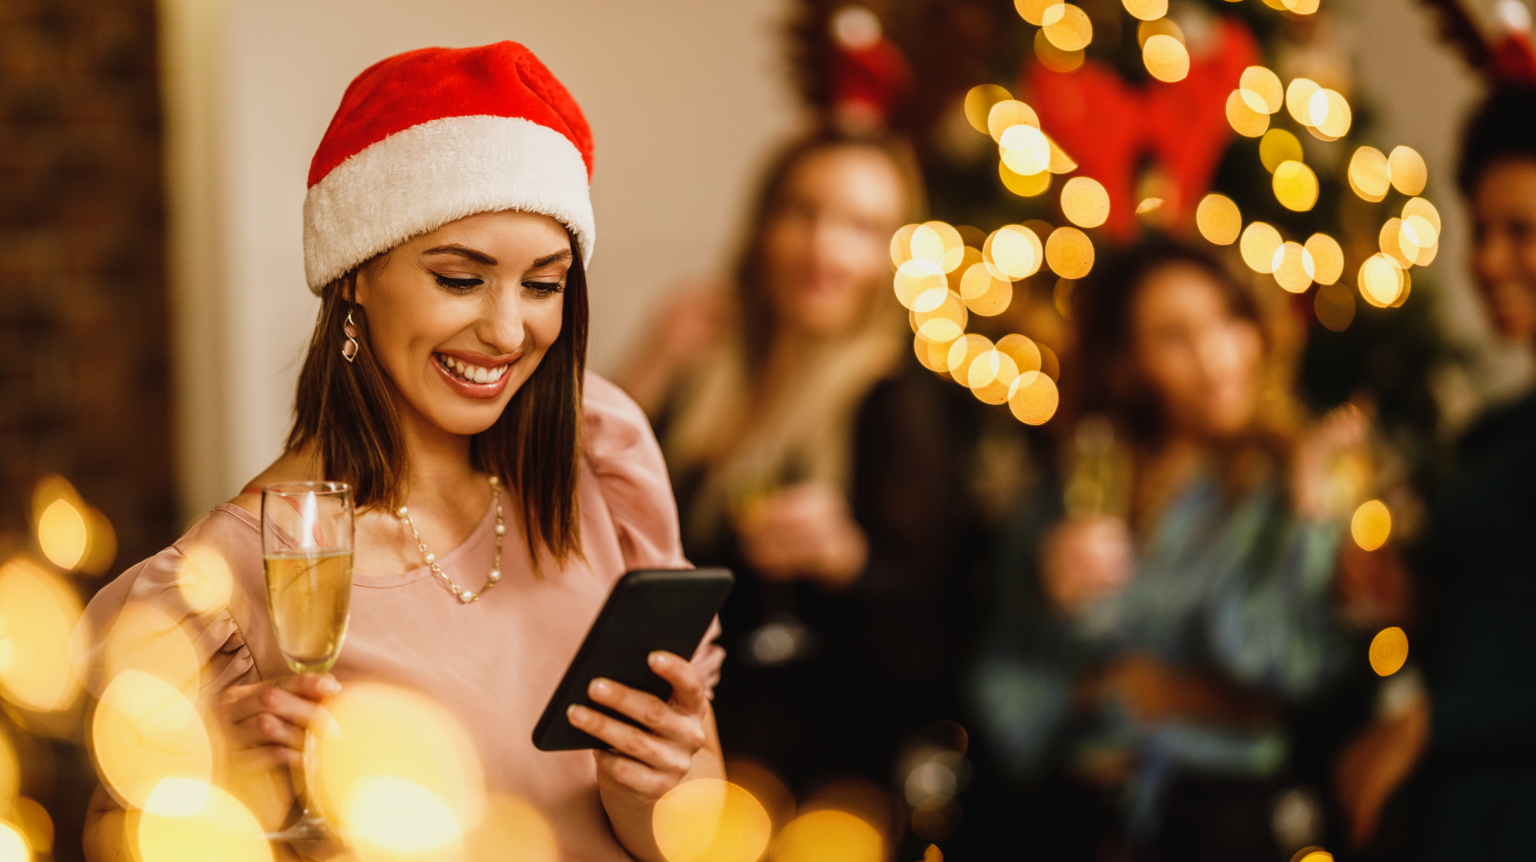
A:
430, 136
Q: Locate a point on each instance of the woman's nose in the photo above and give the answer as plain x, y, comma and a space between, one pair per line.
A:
501, 321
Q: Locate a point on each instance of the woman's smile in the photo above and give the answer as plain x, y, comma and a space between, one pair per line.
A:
474, 375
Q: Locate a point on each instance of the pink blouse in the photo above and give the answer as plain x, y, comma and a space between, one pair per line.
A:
494, 663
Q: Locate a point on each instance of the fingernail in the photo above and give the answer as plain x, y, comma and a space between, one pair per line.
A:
599, 687
573, 712
330, 686
657, 659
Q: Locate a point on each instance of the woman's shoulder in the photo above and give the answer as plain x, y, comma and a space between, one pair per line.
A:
626, 460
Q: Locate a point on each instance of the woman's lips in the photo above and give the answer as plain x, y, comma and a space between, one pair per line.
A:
463, 378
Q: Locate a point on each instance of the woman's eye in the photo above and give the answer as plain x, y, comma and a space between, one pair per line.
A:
545, 286
461, 284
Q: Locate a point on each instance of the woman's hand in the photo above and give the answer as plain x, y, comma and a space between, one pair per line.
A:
266, 721
1084, 560
804, 531
1376, 763
677, 743
1313, 486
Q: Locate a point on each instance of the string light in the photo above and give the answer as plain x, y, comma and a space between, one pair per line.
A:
1381, 280
1295, 186
1409, 173
1146, 10
1389, 651
1258, 245
1067, 27
1370, 174
1327, 258
1166, 58
978, 104
1069, 252
1277, 147
1243, 118
1261, 89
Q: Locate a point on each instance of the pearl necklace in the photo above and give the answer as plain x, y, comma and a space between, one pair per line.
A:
428, 558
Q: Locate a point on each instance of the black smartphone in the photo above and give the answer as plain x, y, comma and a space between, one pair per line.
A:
657, 609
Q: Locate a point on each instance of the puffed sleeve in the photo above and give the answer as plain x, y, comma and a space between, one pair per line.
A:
170, 615
627, 460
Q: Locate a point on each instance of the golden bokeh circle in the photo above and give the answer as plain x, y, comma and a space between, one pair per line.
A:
1084, 202
1298, 100
1293, 267
1389, 651
1218, 219
978, 104
1146, 10
1334, 306
38, 612
1024, 149
1265, 86
1327, 258
1023, 185
1258, 245
195, 820
1370, 175
1166, 58
1243, 118
1069, 252
1067, 27
1033, 11
1380, 280
1409, 173
1295, 186
828, 836
1371, 525
1278, 146
710, 820
1033, 398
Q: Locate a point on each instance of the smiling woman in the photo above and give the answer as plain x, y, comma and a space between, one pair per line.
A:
448, 226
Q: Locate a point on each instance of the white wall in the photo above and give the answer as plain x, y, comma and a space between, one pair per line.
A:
684, 98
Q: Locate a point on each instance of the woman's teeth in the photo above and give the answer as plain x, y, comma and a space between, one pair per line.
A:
470, 373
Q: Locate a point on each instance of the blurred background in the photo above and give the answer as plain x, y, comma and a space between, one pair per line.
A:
152, 305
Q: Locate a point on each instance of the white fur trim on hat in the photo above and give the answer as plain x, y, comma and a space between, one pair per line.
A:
420, 179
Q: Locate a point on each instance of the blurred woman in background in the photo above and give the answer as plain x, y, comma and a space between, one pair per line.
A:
1471, 737
805, 461
1148, 639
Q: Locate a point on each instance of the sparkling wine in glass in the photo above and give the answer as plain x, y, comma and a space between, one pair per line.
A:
306, 552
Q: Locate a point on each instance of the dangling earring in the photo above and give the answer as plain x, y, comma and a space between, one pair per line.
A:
349, 350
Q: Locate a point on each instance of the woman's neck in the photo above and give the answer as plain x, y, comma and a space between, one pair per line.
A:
440, 467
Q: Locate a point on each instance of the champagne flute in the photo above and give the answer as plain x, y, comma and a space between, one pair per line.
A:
306, 552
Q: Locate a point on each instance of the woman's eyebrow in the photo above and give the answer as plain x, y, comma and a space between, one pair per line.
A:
464, 252
551, 258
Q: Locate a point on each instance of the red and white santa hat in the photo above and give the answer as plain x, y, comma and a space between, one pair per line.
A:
430, 136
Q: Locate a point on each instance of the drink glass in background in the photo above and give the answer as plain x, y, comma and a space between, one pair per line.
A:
306, 552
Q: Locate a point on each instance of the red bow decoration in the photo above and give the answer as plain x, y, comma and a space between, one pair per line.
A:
870, 83
1106, 125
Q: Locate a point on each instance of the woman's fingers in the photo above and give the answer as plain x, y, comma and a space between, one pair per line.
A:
688, 690
266, 729
292, 698
633, 774
626, 739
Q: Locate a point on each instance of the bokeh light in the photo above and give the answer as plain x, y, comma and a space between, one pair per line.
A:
1295, 186
1166, 58
1243, 118
1033, 11
511, 830
933, 355
1146, 10
1022, 350
1262, 88
1023, 185
31, 819
856, 28
1327, 258
1330, 115
1409, 173
1008, 113
13, 845
941, 321
145, 731
978, 104
1258, 245
10, 773
1069, 252
983, 294
61, 534
1084, 202
990, 377
1278, 146
1298, 99
1293, 267
1013, 252
1054, 58
1389, 651
1370, 175
828, 836
38, 611
1335, 307
1218, 219
72, 534
1371, 525
1033, 397
1425, 210
1067, 27
963, 351
1025, 150
1390, 239
916, 278
189, 819
1381, 280
394, 769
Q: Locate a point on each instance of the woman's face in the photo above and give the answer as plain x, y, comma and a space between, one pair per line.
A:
460, 318
1504, 250
826, 243
1201, 359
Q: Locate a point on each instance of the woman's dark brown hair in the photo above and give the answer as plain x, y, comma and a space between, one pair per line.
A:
757, 314
346, 412
1103, 308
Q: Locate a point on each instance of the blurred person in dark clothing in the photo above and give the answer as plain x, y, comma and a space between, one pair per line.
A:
811, 454
1472, 740
1156, 616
